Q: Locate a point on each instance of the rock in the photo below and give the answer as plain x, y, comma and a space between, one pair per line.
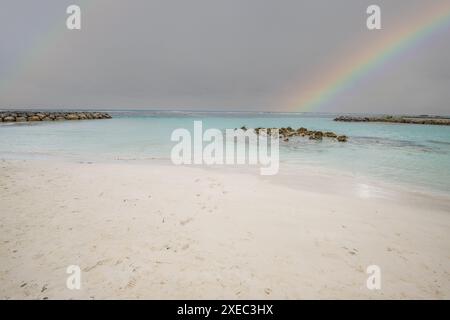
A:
40, 115
286, 133
423, 119
71, 116
97, 115
34, 118
301, 130
317, 135
9, 119
50, 116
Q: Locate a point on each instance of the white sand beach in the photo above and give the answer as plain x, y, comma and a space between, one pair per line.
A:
152, 231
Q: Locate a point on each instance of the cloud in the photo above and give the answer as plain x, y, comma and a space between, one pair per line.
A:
202, 54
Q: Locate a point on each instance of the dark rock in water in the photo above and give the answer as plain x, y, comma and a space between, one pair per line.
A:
301, 130
317, 135
444, 121
40, 115
22, 116
286, 133
71, 116
9, 119
34, 118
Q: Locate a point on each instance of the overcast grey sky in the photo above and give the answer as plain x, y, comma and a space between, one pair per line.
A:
214, 55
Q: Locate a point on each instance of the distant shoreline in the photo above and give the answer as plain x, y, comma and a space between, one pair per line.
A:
221, 111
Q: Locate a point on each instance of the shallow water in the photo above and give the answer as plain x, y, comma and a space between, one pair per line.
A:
417, 156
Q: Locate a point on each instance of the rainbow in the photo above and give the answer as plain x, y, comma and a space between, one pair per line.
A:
25, 63
354, 68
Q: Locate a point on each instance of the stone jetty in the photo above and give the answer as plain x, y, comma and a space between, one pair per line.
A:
23, 116
398, 119
288, 132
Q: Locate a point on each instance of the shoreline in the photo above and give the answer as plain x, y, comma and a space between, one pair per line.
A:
381, 187
157, 231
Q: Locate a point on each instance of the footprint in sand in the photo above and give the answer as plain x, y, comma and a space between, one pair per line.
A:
131, 201
131, 284
351, 251
99, 263
184, 222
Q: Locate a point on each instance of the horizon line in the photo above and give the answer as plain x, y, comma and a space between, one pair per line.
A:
19, 109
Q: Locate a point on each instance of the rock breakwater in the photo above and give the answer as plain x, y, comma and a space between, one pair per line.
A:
288, 132
398, 119
23, 116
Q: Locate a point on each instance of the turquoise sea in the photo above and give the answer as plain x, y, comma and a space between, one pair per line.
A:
417, 156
